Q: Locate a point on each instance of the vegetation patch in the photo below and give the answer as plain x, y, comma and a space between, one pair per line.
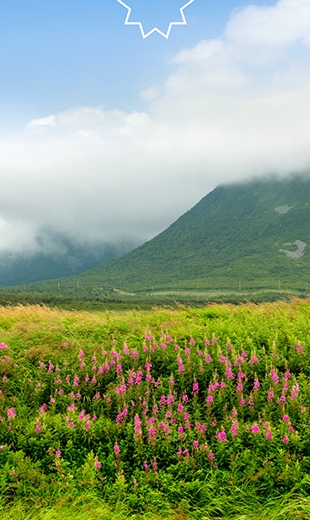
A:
190, 413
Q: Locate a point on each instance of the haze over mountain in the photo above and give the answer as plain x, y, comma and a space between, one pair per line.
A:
56, 255
256, 234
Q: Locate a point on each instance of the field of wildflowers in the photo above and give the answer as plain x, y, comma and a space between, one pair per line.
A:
197, 413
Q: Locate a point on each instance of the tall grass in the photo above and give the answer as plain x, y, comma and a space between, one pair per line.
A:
188, 413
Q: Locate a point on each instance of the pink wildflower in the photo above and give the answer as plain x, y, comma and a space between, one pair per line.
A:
255, 429
254, 360
234, 429
299, 348
43, 408
256, 384
195, 388
221, 436
11, 413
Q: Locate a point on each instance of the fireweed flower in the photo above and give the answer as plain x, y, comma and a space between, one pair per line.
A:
116, 449
234, 429
269, 435
294, 392
11, 413
42, 409
195, 388
152, 432
167, 429
254, 360
229, 373
299, 348
270, 396
97, 464
285, 418
221, 436
285, 440
255, 429
256, 384
137, 430
170, 400
274, 376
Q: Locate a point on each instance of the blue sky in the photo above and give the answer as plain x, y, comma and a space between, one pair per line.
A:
58, 54
108, 136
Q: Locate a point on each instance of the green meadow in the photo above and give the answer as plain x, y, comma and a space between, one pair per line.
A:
174, 413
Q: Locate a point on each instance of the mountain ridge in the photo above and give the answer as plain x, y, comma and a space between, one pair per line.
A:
234, 234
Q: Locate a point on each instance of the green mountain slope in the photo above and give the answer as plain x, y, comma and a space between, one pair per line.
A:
255, 235
237, 232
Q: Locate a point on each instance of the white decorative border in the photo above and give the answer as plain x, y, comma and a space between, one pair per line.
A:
165, 35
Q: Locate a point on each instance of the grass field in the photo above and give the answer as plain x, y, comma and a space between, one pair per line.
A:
181, 413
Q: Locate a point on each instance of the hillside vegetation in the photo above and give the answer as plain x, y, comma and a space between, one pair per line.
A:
188, 414
242, 237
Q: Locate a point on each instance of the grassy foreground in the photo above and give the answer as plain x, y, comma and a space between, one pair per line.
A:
189, 413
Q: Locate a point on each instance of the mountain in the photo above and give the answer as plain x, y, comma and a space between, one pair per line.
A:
55, 255
252, 235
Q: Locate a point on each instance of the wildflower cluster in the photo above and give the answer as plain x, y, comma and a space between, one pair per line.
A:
160, 403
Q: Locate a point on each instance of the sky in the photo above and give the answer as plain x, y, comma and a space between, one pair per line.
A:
109, 136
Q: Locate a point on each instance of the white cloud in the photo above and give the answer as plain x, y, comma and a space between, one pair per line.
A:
276, 26
232, 108
43, 121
